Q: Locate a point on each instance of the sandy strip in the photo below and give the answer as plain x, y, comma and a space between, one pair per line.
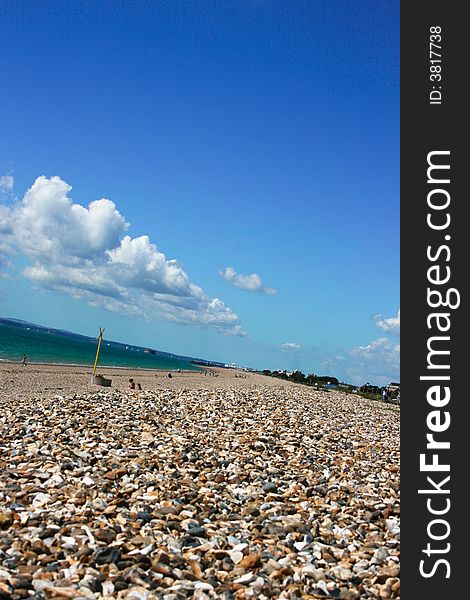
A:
44, 380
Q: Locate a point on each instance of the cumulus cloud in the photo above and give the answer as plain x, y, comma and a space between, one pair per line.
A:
85, 252
390, 325
252, 282
49, 224
291, 346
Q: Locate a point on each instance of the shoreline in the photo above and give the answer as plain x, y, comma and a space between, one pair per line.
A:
124, 367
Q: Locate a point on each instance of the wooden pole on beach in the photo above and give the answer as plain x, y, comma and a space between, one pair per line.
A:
100, 337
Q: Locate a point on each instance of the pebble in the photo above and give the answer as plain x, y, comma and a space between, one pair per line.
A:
6, 520
381, 554
218, 493
236, 556
270, 487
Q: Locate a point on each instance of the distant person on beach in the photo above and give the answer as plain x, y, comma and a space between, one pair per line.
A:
384, 395
139, 387
169, 375
23, 361
131, 385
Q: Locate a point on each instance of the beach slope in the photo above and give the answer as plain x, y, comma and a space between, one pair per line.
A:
197, 487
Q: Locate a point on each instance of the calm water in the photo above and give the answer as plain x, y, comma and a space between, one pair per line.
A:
41, 346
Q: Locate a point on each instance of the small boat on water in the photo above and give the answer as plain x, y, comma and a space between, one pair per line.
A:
149, 351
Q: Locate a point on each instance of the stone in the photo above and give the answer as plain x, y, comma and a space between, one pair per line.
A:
106, 555
251, 561
270, 487
206, 493
6, 519
381, 554
349, 595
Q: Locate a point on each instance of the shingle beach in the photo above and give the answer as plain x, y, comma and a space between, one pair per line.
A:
199, 486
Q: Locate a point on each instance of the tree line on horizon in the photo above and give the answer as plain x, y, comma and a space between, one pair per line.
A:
326, 380
299, 377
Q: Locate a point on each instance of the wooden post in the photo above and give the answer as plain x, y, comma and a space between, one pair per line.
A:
100, 337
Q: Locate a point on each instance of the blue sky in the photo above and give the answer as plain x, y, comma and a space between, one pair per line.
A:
255, 143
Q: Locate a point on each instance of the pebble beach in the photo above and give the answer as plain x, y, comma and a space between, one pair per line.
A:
226, 485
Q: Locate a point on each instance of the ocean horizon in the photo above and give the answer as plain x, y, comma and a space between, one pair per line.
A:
51, 346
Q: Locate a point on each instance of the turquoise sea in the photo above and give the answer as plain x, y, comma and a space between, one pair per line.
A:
44, 345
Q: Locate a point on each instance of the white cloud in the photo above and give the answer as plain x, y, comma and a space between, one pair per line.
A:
377, 362
382, 352
291, 346
6, 233
390, 325
252, 282
48, 224
6, 237
84, 252
6, 182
